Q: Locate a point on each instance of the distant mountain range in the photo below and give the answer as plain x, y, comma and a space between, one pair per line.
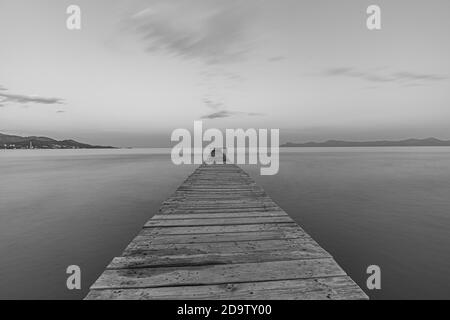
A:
429, 142
17, 142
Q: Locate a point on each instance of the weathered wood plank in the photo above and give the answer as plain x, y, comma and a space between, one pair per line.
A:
215, 274
192, 206
141, 245
220, 208
330, 288
156, 238
216, 222
175, 216
144, 260
247, 228
216, 210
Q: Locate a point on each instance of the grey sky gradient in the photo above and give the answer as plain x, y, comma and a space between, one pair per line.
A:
139, 69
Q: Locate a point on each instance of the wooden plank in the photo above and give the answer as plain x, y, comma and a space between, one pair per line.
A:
216, 222
141, 246
174, 258
330, 288
202, 201
175, 216
192, 206
247, 228
215, 274
216, 210
221, 208
155, 238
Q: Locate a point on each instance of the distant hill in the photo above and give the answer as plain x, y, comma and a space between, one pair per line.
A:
429, 142
18, 142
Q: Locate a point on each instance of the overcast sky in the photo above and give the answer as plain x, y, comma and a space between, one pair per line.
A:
139, 69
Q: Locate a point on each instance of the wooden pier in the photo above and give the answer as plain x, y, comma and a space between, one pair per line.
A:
220, 236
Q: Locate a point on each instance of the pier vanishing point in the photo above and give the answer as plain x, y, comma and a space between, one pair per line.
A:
220, 236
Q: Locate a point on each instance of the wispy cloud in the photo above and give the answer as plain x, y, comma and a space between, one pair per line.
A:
403, 76
276, 59
217, 115
21, 98
418, 76
227, 114
221, 112
213, 104
212, 31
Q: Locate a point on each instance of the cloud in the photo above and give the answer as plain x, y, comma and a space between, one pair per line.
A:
2, 88
20, 98
404, 76
220, 111
418, 76
211, 31
212, 104
217, 115
227, 114
276, 59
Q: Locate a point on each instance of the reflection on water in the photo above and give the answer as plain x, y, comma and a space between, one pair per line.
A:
384, 206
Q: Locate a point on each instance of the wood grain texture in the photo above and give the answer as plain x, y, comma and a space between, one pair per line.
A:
220, 236
332, 288
215, 274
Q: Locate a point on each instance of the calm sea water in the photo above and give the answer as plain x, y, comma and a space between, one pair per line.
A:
383, 206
